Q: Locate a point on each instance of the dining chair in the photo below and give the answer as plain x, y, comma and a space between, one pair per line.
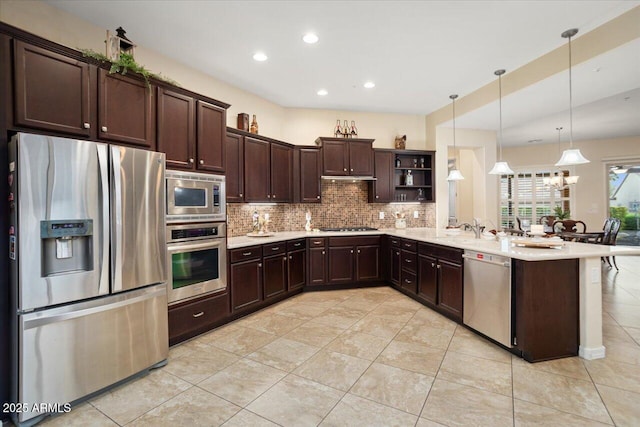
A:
609, 236
569, 225
547, 221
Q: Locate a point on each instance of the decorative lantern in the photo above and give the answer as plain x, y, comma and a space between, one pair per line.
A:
118, 44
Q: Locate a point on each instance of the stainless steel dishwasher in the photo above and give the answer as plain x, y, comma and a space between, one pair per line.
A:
487, 295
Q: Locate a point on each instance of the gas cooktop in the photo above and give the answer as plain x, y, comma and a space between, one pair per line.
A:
348, 229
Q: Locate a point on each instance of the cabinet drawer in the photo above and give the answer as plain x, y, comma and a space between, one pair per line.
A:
409, 245
354, 241
450, 254
190, 319
317, 242
294, 245
408, 261
394, 242
244, 254
408, 281
274, 248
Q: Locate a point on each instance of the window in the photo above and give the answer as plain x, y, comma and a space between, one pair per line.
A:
525, 195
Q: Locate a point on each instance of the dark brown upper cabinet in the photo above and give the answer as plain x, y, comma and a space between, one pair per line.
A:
344, 157
52, 92
234, 155
281, 173
126, 110
381, 190
256, 170
191, 132
177, 128
210, 137
307, 166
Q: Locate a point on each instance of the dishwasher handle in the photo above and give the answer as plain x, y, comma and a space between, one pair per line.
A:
500, 263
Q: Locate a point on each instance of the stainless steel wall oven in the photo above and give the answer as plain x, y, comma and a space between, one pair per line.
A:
196, 259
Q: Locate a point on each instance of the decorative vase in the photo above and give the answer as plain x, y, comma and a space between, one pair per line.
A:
337, 131
254, 125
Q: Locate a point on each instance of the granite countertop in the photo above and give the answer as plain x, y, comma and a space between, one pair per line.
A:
464, 240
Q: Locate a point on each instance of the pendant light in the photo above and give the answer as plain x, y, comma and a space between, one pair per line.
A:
572, 156
455, 174
500, 168
559, 181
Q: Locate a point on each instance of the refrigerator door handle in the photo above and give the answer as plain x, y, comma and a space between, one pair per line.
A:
116, 205
103, 165
34, 320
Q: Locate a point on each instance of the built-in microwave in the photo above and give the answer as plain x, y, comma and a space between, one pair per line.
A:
195, 197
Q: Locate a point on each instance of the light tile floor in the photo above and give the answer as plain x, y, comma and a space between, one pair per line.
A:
373, 357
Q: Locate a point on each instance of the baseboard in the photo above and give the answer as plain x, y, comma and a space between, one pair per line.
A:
592, 353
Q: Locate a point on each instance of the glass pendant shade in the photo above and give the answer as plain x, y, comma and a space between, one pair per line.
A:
501, 168
570, 157
455, 175
571, 180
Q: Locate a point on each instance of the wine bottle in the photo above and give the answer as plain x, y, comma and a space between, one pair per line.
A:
254, 125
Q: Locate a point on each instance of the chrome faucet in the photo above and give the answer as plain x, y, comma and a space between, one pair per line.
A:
476, 227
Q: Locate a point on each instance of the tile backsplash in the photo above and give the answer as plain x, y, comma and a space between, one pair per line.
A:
344, 203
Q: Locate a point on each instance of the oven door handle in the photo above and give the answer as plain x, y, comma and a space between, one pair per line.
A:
188, 246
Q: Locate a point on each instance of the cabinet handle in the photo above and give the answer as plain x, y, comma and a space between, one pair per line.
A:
318, 197
433, 264
408, 260
240, 194
351, 250
104, 128
322, 252
190, 160
352, 170
273, 195
407, 281
276, 248
284, 258
290, 256
439, 266
395, 242
297, 244
268, 196
398, 253
201, 162
260, 265
246, 253
198, 314
86, 125
344, 169
377, 197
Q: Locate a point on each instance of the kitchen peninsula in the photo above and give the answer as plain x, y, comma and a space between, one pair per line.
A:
564, 281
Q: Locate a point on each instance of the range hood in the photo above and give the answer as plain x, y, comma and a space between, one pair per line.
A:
348, 178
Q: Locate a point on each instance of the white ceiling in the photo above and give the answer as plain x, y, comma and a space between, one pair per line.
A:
417, 52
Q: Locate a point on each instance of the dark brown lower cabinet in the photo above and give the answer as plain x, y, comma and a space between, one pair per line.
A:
450, 288
440, 279
394, 266
246, 284
192, 318
275, 275
546, 308
341, 264
317, 261
367, 263
353, 259
297, 269
428, 278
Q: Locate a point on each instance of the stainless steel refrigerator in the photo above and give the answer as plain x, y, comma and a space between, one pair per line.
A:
88, 267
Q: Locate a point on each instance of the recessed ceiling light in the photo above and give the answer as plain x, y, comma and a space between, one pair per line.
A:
310, 38
260, 56
323, 92
369, 85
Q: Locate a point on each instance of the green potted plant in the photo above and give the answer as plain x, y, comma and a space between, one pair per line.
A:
560, 213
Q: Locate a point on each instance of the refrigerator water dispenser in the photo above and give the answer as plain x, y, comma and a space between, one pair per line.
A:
66, 246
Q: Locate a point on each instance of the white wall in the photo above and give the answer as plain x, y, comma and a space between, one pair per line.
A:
477, 193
